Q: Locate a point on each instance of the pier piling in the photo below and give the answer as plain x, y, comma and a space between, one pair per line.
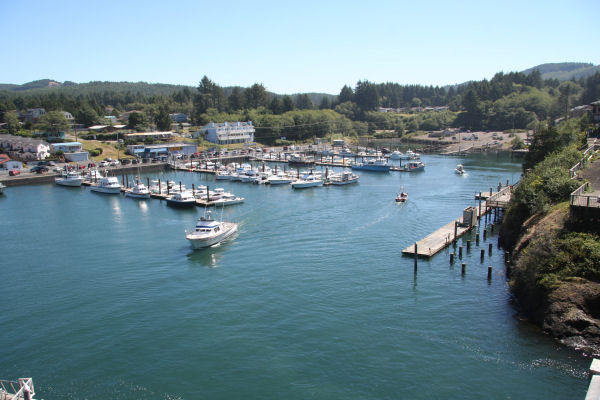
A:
482, 254
463, 269
468, 246
490, 249
416, 256
484, 234
451, 258
489, 276
477, 239
460, 252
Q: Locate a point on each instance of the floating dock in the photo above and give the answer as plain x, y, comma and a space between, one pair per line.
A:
444, 236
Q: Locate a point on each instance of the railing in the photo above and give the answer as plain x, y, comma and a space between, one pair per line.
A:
493, 201
586, 156
17, 390
578, 199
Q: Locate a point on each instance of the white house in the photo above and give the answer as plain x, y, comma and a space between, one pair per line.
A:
228, 132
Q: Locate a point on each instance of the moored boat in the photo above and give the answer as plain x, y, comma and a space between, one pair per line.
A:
306, 181
184, 198
138, 191
343, 178
108, 185
373, 164
396, 155
69, 178
209, 232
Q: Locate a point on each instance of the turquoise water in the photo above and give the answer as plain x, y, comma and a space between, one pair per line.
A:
104, 298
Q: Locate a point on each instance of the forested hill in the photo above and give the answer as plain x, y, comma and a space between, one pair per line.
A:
565, 71
72, 88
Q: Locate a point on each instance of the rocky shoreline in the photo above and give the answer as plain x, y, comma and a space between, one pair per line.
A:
569, 312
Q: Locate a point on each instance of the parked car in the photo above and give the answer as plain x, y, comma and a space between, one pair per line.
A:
145, 160
14, 172
81, 166
114, 163
91, 165
135, 161
104, 164
39, 169
125, 161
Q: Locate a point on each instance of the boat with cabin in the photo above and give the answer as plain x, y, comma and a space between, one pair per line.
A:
306, 181
396, 155
414, 166
209, 232
108, 185
183, 199
460, 169
138, 191
69, 178
300, 159
343, 178
373, 164
402, 196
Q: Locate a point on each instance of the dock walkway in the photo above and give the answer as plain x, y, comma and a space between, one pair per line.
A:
444, 236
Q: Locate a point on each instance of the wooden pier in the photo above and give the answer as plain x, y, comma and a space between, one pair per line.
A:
444, 236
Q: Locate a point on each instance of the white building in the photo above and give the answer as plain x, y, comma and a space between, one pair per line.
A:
228, 132
72, 151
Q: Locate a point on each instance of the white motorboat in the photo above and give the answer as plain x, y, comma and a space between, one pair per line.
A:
108, 184
227, 199
182, 199
377, 164
69, 178
223, 175
2, 186
402, 197
413, 166
460, 170
93, 175
306, 181
138, 191
396, 155
410, 155
343, 178
209, 232
279, 179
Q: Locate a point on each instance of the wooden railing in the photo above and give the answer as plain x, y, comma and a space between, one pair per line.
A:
586, 156
578, 199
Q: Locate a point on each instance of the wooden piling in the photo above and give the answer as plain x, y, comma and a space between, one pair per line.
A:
482, 254
416, 256
484, 234
489, 273
455, 229
463, 269
459, 251
451, 258
477, 239
468, 246
490, 249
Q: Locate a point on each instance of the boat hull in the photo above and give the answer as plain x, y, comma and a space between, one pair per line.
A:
181, 204
138, 195
303, 185
69, 182
346, 182
105, 190
373, 168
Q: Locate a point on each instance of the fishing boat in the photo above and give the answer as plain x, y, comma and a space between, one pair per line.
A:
108, 185
414, 166
343, 178
306, 181
69, 178
402, 196
209, 232
460, 170
138, 191
373, 164
182, 199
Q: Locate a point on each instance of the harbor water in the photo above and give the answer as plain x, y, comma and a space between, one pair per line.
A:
104, 298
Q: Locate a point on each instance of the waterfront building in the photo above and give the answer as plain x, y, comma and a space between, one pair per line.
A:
26, 149
33, 114
228, 132
73, 151
161, 150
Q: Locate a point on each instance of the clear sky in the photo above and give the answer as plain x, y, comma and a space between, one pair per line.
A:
291, 47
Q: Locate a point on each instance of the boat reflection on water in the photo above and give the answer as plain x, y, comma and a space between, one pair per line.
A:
210, 257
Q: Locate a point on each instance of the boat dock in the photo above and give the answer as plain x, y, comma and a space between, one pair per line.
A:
447, 234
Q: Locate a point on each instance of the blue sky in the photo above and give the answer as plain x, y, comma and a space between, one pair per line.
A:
291, 47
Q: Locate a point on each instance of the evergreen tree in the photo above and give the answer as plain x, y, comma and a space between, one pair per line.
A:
162, 119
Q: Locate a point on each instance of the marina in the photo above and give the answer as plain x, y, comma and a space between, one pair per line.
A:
311, 292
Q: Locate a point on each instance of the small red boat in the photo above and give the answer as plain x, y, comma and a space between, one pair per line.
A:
402, 197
